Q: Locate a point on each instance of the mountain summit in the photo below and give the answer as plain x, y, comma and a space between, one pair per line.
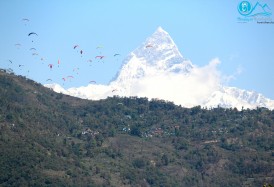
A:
156, 69
157, 55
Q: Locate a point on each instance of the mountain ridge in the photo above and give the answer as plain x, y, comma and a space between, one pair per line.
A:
51, 139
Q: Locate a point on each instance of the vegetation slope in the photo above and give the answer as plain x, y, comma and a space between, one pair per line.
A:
51, 139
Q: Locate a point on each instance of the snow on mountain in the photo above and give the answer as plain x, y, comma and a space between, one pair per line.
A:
230, 97
156, 69
157, 55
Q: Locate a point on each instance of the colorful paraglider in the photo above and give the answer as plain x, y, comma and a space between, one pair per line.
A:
50, 66
149, 45
31, 33
18, 45
58, 63
101, 57
92, 82
76, 70
69, 77
25, 20
99, 47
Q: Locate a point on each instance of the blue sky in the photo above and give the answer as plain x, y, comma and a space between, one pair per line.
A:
202, 31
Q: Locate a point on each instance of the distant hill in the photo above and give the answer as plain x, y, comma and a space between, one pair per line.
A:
51, 139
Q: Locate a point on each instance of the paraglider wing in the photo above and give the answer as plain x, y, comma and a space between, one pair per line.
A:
92, 82
101, 57
32, 34
50, 66
149, 45
98, 47
116, 54
49, 79
75, 46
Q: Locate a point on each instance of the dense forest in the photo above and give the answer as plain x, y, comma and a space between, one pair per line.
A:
51, 139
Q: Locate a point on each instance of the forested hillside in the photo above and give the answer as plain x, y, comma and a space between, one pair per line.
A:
51, 139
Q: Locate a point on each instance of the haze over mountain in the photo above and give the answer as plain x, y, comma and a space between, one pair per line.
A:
157, 69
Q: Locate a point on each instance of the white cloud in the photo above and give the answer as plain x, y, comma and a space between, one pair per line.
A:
228, 78
188, 90
201, 86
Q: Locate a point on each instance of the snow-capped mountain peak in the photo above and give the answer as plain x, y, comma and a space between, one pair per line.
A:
159, 48
156, 55
156, 69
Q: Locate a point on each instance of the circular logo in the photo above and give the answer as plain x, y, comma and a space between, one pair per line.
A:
245, 8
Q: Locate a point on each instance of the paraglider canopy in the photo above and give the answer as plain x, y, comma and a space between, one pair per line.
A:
25, 20
31, 33
98, 47
50, 66
100, 57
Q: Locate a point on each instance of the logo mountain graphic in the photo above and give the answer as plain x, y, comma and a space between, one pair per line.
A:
245, 9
